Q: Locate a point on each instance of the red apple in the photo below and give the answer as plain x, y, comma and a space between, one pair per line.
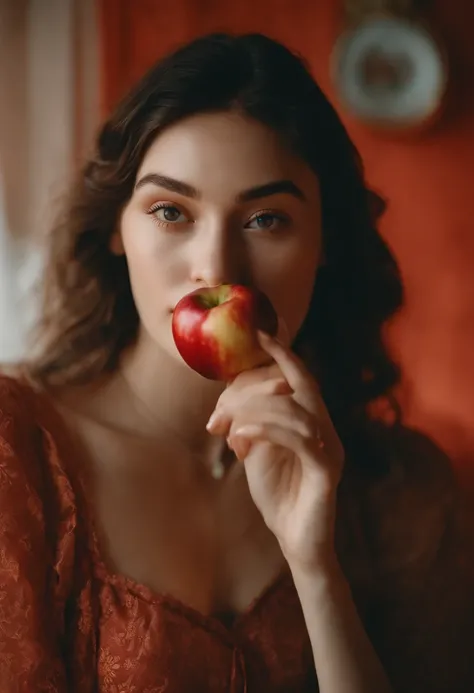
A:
215, 329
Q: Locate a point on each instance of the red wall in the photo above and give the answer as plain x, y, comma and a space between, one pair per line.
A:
428, 179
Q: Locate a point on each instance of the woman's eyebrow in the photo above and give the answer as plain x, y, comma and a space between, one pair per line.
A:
257, 192
168, 183
273, 188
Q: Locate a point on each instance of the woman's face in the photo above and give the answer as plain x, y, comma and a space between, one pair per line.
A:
219, 199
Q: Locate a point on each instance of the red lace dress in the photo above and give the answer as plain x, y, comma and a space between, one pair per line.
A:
69, 626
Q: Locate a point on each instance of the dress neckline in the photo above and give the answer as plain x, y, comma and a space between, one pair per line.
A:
61, 447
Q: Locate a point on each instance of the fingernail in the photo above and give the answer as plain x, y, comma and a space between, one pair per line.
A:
240, 448
264, 336
283, 331
270, 339
212, 420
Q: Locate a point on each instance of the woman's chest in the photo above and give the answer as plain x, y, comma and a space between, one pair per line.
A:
203, 543
212, 556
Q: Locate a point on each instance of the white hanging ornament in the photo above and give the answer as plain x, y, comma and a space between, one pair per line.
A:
388, 68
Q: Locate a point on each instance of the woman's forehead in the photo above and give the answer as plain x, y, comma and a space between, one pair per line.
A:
217, 150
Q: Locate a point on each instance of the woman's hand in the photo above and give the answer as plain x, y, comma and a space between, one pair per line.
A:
277, 424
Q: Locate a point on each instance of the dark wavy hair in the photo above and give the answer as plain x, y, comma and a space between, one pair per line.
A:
88, 313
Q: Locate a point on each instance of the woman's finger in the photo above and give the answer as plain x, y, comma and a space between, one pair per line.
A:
305, 448
281, 410
289, 363
233, 396
304, 386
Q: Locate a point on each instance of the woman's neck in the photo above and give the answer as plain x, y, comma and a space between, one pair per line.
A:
152, 391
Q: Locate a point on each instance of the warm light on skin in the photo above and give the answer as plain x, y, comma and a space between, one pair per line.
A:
214, 238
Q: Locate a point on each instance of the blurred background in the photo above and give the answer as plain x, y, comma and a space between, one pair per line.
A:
65, 63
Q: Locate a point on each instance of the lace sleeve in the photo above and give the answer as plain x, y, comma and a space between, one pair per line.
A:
30, 657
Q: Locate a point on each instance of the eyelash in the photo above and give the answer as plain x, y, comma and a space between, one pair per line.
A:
261, 213
162, 205
281, 218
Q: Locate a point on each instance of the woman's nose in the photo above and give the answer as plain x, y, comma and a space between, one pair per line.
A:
210, 277
216, 259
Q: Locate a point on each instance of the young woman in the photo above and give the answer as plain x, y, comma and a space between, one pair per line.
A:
164, 532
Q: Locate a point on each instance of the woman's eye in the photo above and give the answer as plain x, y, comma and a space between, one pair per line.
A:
266, 221
168, 214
